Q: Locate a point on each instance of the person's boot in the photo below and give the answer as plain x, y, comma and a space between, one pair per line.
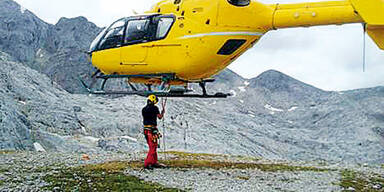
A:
159, 165
149, 167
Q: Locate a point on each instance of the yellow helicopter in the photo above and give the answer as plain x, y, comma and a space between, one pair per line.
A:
179, 42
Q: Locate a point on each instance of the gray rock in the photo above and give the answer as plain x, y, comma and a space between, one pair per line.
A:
272, 116
56, 50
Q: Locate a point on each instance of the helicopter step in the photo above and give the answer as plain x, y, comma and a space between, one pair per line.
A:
165, 89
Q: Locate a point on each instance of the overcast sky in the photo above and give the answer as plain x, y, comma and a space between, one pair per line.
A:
328, 57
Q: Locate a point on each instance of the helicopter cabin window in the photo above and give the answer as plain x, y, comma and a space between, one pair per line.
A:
145, 30
163, 27
240, 3
137, 31
113, 36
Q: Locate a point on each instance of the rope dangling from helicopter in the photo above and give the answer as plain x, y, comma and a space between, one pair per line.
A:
364, 45
164, 104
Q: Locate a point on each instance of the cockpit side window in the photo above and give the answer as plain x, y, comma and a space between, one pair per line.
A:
163, 27
137, 31
114, 35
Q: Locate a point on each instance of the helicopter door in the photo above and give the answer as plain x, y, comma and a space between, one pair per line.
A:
133, 51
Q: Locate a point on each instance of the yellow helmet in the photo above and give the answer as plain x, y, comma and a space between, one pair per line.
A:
153, 99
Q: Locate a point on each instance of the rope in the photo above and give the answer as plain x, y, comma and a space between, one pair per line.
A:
164, 103
364, 45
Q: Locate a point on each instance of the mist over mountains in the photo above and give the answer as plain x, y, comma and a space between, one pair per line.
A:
272, 116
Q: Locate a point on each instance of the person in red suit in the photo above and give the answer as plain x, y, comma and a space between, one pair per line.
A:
150, 115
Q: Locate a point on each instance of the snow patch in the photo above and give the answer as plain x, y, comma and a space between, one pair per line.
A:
252, 115
246, 83
23, 102
129, 138
39, 53
22, 9
83, 129
214, 103
269, 107
92, 139
38, 147
233, 93
241, 101
292, 108
340, 93
242, 89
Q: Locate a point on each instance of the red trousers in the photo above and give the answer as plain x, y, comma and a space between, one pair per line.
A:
152, 144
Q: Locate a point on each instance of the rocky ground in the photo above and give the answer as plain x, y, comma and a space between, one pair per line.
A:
186, 172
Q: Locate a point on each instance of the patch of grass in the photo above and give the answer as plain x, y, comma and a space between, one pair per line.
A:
360, 182
190, 155
2, 170
208, 164
243, 178
6, 152
2, 182
234, 165
100, 177
247, 158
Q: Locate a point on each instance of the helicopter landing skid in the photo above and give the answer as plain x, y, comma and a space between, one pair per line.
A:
144, 93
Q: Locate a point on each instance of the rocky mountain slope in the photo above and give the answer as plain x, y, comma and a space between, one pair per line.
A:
55, 50
272, 116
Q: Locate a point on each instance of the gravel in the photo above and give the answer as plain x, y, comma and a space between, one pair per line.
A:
24, 172
241, 180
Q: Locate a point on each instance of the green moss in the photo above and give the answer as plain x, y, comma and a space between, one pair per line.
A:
100, 177
2, 182
359, 181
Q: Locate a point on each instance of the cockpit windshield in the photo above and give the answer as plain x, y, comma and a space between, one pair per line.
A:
113, 36
134, 30
97, 40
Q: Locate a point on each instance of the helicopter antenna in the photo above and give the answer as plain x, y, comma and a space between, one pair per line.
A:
364, 45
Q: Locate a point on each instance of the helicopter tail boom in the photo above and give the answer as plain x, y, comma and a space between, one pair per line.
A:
314, 14
370, 12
